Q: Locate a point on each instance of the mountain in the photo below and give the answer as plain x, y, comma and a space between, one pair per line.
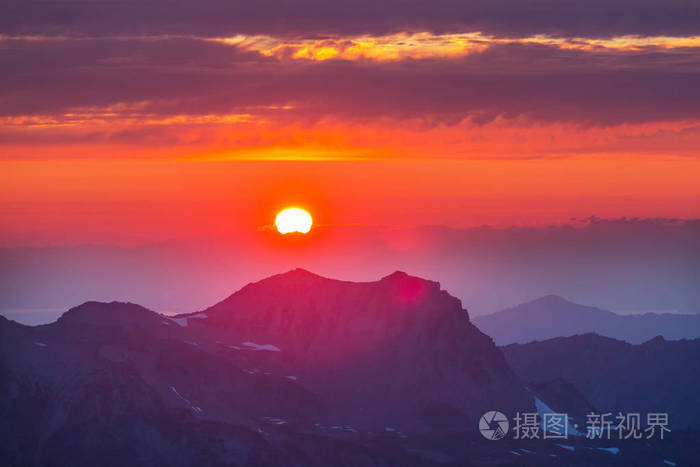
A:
554, 316
615, 376
114, 382
293, 370
398, 352
283, 372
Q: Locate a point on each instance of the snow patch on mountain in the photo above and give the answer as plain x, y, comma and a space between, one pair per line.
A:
543, 409
275, 420
182, 322
193, 407
253, 346
610, 450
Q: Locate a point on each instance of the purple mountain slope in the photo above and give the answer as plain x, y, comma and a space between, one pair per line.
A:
615, 376
393, 352
295, 369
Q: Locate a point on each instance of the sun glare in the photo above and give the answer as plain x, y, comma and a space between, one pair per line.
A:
293, 220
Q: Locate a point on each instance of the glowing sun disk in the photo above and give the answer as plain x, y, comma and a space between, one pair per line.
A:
293, 220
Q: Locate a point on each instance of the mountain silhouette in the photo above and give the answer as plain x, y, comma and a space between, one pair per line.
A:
381, 353
553, 316
292, 370
295, 351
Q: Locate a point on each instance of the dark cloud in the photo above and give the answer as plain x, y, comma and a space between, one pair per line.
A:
569, 18
187, 76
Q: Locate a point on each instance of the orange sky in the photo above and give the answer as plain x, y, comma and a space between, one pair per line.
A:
132, 201
183, 130
125, 136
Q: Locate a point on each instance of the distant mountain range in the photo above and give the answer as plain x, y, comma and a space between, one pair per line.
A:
553, 316
293, 370
615, 376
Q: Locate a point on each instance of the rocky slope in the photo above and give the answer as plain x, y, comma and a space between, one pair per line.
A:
294, 370
295, 351
398, 352
614, 376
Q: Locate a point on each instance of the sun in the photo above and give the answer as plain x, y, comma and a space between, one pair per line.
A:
293, 220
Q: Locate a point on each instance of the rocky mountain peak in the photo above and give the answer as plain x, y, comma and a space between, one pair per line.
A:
299, 301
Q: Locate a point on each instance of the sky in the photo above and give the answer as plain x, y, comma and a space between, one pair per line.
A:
127, 122
626, 265
151, 122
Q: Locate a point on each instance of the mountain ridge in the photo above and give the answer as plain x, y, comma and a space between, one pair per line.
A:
380, 353
339, 336
553, 316
392, 373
